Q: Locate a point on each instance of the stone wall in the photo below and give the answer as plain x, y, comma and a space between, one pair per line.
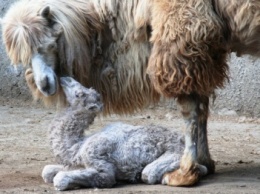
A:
241, 95
12, 79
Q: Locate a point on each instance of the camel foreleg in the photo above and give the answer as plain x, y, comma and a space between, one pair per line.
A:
194, 109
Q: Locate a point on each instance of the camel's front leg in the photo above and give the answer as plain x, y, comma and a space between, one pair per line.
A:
193, 109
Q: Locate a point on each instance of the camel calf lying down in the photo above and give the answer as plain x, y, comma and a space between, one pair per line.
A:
120, 152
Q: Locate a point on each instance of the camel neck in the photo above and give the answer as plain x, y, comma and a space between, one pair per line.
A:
67, 134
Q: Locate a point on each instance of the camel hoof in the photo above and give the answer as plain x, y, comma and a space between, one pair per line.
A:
181, 177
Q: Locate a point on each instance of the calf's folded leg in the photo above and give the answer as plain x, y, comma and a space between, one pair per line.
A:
89, 177
50, 171
154, 171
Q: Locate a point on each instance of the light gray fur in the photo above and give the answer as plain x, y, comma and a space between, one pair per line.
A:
120, 152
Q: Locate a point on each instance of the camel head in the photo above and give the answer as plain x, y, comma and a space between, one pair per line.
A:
45, 61
31, 39
80, 97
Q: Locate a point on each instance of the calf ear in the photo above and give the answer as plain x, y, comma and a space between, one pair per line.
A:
46, 12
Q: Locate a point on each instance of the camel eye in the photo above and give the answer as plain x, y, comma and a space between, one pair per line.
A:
77, 95
51, 46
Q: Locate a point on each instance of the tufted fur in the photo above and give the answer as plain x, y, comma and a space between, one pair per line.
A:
189, 42
189, 48
93, 47
241, 20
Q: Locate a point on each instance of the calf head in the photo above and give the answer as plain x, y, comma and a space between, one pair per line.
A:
79, 96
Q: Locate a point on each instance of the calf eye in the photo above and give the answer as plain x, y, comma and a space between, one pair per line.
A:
79, 94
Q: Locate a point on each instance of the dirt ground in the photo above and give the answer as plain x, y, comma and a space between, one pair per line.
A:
24, 150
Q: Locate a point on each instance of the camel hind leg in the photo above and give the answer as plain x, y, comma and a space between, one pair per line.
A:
50, 171
87, 178
194, 109
203, 154
154, 171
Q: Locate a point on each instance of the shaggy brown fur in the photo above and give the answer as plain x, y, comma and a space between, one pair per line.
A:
242, 21
98, 50
189, 48
109, 50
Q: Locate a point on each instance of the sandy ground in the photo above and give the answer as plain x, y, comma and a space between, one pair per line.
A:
24, 150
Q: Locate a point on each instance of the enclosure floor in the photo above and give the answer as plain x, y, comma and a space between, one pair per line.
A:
24, 150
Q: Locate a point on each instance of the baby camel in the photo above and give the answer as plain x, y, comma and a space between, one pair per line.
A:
120, 152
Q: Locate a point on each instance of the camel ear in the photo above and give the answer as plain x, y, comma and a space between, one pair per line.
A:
46, 12
58, 30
